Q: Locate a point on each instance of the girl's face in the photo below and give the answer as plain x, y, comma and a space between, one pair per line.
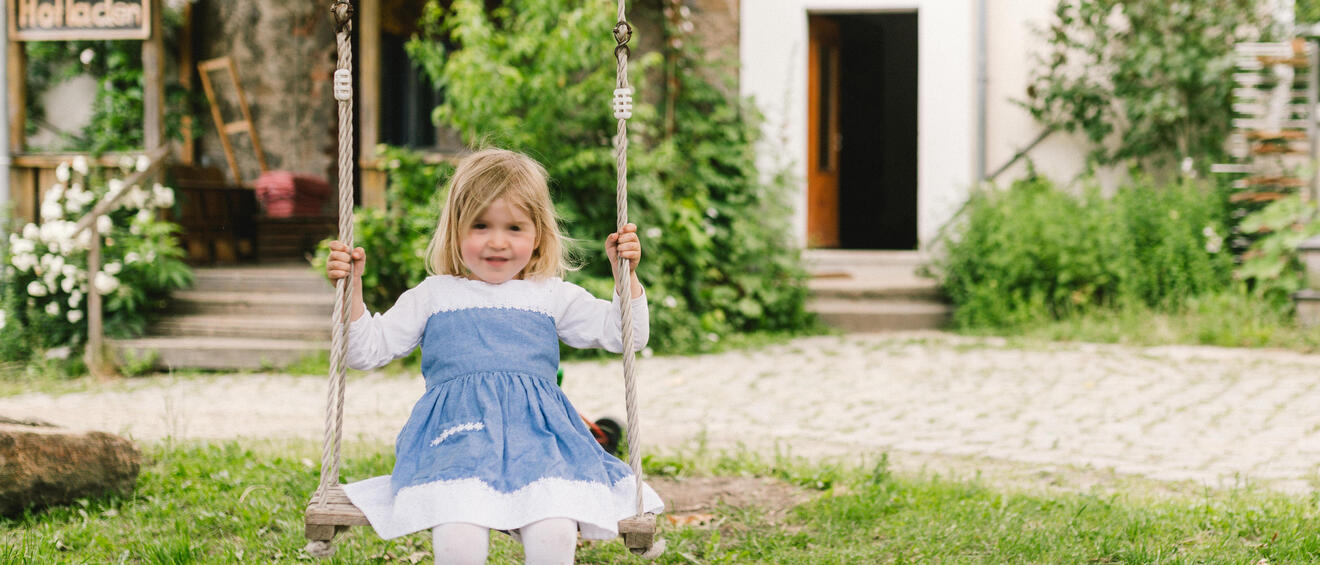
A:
499, 244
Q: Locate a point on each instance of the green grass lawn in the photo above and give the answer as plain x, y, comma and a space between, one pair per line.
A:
232, 503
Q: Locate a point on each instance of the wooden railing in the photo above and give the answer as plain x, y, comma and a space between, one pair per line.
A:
95, 330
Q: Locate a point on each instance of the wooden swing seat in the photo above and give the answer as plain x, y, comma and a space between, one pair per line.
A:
338, 513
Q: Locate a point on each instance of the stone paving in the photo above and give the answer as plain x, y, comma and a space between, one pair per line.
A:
1210, 415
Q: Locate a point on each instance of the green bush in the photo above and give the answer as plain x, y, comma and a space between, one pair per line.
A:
45, 280
1032, 253
535, 77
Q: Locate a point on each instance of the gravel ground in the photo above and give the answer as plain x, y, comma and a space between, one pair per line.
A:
1210, 415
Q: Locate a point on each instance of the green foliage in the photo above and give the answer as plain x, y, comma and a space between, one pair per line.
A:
45, 278
1032, 252
1152, 75
1307, 11
117, 110
529, 76
395, 239
1271, 265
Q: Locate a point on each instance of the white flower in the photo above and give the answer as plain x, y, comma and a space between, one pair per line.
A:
394, 164
61, 352
35, 288
112, 268
131, 257
2, 319
30, 231
143, 216
653, 232
104, 225
69, 271
67, 284
163, 196
137, 197
126, 163
670, 302
75, 316
712, 212
105, 283
87, 56
647, 353
713, 336
151, 256
115, 185
75, 298
51, 211
53, 308
24, 262
22, 246
80, 164
710, 230
62, 172
142, 163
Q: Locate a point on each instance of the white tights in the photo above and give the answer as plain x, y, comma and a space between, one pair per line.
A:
548, 542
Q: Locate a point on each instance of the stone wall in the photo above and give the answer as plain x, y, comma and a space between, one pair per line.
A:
285, 54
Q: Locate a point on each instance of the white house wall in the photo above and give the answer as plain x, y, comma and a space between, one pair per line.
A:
1012, 43
773, 46
773, 50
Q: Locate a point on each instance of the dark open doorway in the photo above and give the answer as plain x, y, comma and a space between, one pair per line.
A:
877, 130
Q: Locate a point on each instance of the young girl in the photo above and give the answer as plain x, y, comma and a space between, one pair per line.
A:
493, 443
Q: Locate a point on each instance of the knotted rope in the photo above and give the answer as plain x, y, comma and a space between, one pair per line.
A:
334, 409
623, 286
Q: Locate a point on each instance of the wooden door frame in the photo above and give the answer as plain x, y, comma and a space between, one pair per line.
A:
822, 179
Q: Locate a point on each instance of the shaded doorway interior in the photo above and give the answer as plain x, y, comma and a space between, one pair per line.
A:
877, 147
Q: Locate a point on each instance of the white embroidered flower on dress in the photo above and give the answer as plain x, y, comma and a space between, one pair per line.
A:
468, 427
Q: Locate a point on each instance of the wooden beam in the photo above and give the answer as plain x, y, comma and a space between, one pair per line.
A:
153, 82
16, 83
185, 78
368, 104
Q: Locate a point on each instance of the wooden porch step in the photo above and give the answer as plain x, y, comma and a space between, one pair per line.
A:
252, 303
307, 328
217, 353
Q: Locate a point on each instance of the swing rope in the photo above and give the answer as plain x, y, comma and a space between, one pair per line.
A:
622, 286
334, 411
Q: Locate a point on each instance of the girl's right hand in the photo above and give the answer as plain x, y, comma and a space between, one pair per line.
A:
337, 265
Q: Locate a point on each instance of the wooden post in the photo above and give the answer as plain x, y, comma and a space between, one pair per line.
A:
185, 78
16, 82
368, 104
153, 82
94, 330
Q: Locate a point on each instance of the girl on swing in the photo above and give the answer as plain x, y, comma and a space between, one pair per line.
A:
493, 443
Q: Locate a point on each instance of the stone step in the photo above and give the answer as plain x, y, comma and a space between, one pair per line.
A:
216, 353
314, 328
269, 304
868, 316
892, 286
280, 277
845, 259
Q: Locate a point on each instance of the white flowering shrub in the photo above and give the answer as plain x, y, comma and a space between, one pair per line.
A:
45, 273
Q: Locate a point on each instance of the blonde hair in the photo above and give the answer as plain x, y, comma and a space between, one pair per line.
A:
482, 178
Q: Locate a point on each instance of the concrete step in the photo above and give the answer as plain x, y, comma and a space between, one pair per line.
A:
216, 353
267, 304
313, 328
867, 316
279, 277
894, 286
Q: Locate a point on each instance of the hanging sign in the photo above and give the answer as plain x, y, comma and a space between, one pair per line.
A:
63, 20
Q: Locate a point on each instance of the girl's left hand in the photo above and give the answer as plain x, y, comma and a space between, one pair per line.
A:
626, 244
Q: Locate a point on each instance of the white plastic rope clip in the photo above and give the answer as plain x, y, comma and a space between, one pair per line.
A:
343, 85
623, 103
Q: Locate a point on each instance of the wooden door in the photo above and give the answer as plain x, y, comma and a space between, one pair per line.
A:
823, 137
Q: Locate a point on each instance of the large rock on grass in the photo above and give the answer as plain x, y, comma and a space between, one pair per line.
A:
42, 465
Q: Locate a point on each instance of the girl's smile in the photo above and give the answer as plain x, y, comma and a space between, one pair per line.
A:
499, 243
